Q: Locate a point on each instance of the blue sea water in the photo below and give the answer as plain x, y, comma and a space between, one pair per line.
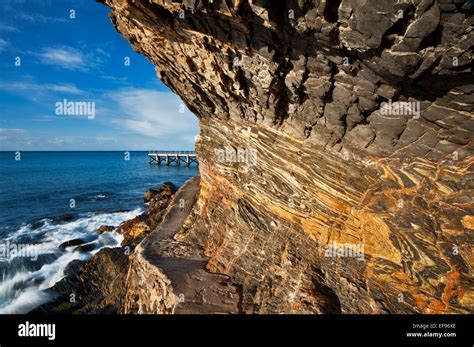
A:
97, 188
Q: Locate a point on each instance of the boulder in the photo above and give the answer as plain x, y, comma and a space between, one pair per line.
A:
65, 217
105, 228
71, 243
86, 248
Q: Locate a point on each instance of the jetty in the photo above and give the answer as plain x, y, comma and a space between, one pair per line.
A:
169, 157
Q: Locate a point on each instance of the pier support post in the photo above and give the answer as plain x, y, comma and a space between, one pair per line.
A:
169, 157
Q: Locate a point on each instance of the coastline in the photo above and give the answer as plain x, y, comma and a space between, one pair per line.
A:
82, 200
125, 279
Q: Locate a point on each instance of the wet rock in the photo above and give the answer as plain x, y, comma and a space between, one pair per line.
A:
37, 224
105, 228
65, 217
97, 285
85, 248
31, 263
112, 211
71, 243
107, 240
73, 267
123, 280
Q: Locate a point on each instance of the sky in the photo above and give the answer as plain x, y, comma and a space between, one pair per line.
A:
52, 58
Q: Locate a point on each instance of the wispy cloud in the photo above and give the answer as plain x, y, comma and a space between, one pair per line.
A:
3, 44
27, 140
44, 118
153, 113
4, 131
8, 28
64, 57
9, 135
30, 87
102, 52
13, 9
114, 78
39, 18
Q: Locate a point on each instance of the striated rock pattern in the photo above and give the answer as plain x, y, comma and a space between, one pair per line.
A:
336, 151
169, 276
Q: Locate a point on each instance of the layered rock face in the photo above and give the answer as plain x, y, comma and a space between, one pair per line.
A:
335, 147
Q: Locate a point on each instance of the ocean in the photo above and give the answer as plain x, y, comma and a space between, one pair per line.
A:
94, 188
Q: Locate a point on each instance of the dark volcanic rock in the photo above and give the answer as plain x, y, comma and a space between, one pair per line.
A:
37, 224
65, 217
86, 248
326, 127
111, 211
94, 287
73, 267
70, 243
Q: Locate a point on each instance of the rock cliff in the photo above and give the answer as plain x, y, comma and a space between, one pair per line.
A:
335, 147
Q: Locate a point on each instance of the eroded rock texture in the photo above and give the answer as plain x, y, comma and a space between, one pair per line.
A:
302, 84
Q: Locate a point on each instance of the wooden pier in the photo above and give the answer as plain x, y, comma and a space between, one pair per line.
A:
169, 157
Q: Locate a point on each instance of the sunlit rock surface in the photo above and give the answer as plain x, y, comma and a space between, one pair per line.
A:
326, 126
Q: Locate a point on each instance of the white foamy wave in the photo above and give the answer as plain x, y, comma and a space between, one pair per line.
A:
99, 196
26, 301
22, 291
52, 235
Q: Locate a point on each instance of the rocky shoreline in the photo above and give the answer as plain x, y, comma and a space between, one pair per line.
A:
97, 285
151, 272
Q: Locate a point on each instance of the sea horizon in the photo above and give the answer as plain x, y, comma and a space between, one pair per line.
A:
53, 197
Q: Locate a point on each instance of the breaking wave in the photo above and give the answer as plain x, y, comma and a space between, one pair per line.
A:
31, 259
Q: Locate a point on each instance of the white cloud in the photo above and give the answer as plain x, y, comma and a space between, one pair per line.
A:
8, 28
155, 114
131, 119
4, 131
64, 88
12, 9
39, 18
30, 87
65, 57
3, 44
9, 136
35, 140
114, 78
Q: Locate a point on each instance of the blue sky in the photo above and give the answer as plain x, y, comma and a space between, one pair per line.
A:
80, 60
